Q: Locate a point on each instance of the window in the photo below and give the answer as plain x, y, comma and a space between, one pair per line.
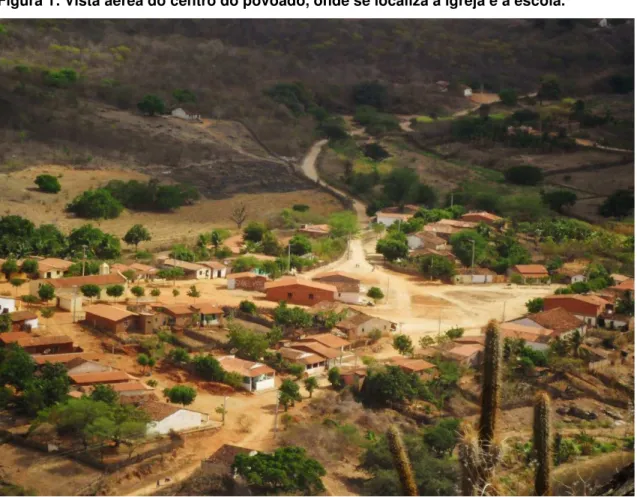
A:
289, 295
311, 296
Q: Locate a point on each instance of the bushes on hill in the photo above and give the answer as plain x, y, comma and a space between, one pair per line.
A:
151, 105
376, 123
61, 78
48, 183
371, 93
95, 204
524, 175
619, 204
151, 196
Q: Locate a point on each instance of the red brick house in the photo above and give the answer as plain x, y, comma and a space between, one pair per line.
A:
117, 320
299, 291
586, 307
247, 281
60, 344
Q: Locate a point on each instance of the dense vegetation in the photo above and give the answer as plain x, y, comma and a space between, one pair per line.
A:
151, 196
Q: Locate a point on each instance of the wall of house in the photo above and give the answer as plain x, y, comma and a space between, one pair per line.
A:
300, 295
349, 297
51, 274
314, 369
255, 284
6, 305
265, 383
62, 348
32, 323
581, 309
372, 324
179, 421
100, 323
387, 221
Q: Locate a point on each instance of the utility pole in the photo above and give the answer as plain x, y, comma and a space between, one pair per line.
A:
83, 258
473, 255
451, 199
74, 304
439, 319
504, 308
223, 414
289, 256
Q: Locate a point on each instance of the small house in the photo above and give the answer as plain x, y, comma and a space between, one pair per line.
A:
186, 114
58, 344
426, 240
562, 322
347, 285
331, 356
117, 320
52, 267
165, 418
421, 368
466, 90
467, 354
571, 272
586, 307
315, 230
329, 340
626, 287
100, 378
131, 389
299, 291
176, 316
360, 325
247, 281
23, 321
217, 269
192, 271
209, 315
389, 218
529, 272
473, 276
72, 285
535, 337
354, 377
313, 363
482, 217
256, 376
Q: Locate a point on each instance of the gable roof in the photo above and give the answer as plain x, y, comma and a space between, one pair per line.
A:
294, 281
484, 214
53, 263
189, 266
64, 358
465, 351
94, 279
328, 340
457, 223
588, 299
175, 309
337, 274
413, 365
558, 319
527, 333
207, 308
625, 285
530, 269
143, 268
227, 453
109, 312
28, 340
250, 369
317, 348
245, 274
429, 236
356, 320
316, 228
129, 386
213, 264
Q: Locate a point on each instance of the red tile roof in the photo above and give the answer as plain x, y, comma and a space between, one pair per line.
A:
18, 316
207, 308
109, 312
293, 281
96, 279
413, 365
317, 348
328, 340
96, 378
558, 320
530, 269
64, 358
245, 368
627, 285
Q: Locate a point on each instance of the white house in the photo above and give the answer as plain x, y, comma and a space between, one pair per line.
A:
348, 285
7, 305
52, 267
191, 270
313, 363
167, 417
426, 239
257, 377
467, 91
218, 269
389, 218
186, 114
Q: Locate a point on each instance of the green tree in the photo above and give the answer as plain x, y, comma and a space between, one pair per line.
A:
105, 393
334, 377
46, 292
48, 183
550, 88
310, 384
249, 345
9, 267
443, 436
180, 394
184, 96
248, 307
619, 204
208, 368
30, 267
175, 292
403, 344
193, 293
343, 224
455, 333
95, 204
292, 317
392, 248
535, 305
136, 234
17, 367
115, 291
216, 239
90, 291
508, 96
437, 267
300, 245
98, 243
287, 470
558, 199
289, 393
49, 387
47, 313
524, 175
372, 93
179, 356
375, 293
151, 105
16, 283
463, 248
5, 323
143, 360
390, 385
138, 291
400, 186
254, 232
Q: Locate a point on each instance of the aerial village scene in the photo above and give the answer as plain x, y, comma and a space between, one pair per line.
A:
424, 291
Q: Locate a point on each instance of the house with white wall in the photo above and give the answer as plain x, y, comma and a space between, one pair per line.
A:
314, 364
218, 269
192, 271
186, 114
52, 267
257, 377
7, 305
169, 417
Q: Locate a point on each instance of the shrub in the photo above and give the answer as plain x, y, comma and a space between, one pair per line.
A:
619, 204
300, 207
375, 152
61, 78
48, 183
151, 105
372, 93
375, 293
95, 204
524, 175
248, 307
508, 96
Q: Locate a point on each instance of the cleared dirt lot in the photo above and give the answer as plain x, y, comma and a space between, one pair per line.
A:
21, 197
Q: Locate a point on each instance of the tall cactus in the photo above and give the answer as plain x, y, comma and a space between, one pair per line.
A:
542, 443
401, 462
492, 365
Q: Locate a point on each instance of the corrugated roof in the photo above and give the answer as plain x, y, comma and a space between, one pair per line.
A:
109, 312
293, 281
